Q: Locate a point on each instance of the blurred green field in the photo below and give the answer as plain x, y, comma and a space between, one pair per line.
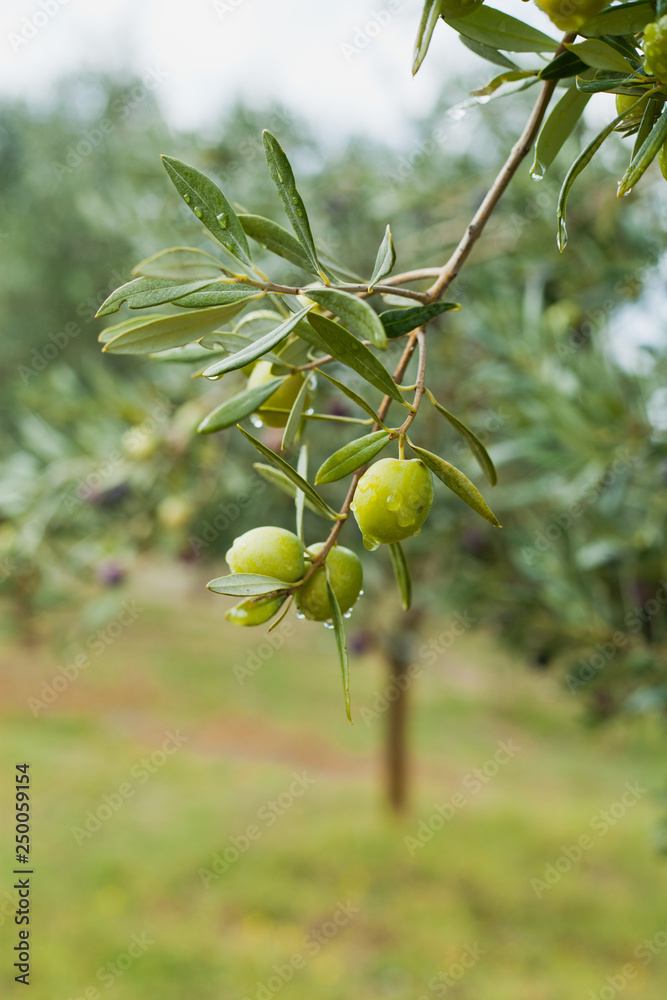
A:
410, 917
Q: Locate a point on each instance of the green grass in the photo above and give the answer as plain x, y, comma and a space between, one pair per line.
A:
469, 885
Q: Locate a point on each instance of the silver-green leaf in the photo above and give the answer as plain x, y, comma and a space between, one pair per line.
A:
457, 482
476, 446
159, 333
351, 457
256, 348
354, 312
429, 19
402, 574
341, 641
247, 585
348, 349
238, 407
273, 237
384, 263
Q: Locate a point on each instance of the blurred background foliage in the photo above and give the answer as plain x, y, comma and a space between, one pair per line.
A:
107, 495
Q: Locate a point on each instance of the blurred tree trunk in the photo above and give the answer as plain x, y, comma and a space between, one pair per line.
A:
398, 649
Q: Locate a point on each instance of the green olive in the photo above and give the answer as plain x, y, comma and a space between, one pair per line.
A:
255, 610
655, 48
392, 500
345, 575
569, 15
268, 551
282, 399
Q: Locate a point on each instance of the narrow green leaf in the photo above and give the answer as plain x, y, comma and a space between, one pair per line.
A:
564, 65
596, 53
147, 334
188, 354
287, 470
180, 263
645, 155
219, 294
476, 446
651, 113
509, 77
429, 19
282, 176
246, 585
238, 407
210, 206
557, 128
384, 263
143, 293
273, 237
500, 31
341, 641
351, 394
351, 457
457, 482
346, 348
278, 479
299, 499
296, 413
402, 574
353, 311
624, 19
257, 348
110, 332
398, 322
486, 52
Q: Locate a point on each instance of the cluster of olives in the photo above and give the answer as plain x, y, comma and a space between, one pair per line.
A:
391, 502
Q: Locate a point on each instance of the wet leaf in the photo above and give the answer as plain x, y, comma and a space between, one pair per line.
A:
351, 457
386, 258
256, 348
354, 312
238, 407
456, 481
349, 350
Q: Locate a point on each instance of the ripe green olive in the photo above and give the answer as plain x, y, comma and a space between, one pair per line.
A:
624, 106
345, 575
569, 15
458, 8
282, 399
268, 551
655, 48
255, 610
392, 500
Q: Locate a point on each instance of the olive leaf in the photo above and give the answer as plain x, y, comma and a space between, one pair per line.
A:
557, 129
476, 446
238, 407
247, 585
354, 312
210, 206
402, 574
429, 19
649, 118
486, 52
185, 263
256, 348
351, 394
273, 237
564, 65
398, 322
644, 155
158, 333
351, 456
596, 53
509, 77
142, 293
456, 481
384, 263
280, 480
295, 415
626, 19
299, 499
291, 474
282, 176
500, 31
349, 350
341, 641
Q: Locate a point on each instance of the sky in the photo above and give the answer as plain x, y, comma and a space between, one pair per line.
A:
344, 65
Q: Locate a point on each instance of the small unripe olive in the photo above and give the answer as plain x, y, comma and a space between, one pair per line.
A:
268, 551
458, 8
655, 48
569, 15
346, 578
392, 500
139, 444
282, 399
624, 106
254, 610
175, 512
